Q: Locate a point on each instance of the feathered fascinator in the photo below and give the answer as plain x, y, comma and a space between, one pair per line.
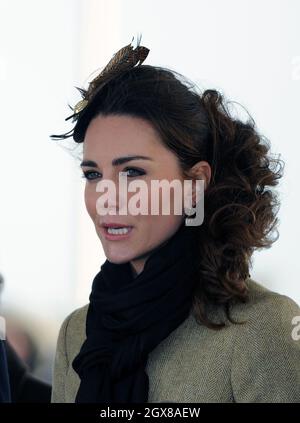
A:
125, 58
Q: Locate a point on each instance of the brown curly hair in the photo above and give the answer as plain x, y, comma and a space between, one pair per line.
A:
240, 209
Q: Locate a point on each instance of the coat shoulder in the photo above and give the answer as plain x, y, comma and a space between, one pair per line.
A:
71, 335
266, 352
265, 304
77, 318
75, 332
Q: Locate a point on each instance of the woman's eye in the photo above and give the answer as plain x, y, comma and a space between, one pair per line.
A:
91, 174
138, 172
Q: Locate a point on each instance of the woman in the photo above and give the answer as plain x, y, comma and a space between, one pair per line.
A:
174, 314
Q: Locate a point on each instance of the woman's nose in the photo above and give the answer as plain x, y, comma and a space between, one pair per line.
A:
115, 195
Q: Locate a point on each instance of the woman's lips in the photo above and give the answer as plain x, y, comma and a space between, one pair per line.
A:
116, 237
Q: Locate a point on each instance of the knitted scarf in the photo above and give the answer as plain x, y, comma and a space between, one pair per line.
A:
129, 316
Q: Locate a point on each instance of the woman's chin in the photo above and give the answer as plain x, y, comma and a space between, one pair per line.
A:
117, 259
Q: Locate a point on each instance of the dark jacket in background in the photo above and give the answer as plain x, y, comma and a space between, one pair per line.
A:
4, 381
23, 386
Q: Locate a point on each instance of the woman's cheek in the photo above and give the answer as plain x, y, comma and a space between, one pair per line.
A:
90, 201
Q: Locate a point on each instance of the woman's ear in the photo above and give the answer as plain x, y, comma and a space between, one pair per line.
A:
202, 171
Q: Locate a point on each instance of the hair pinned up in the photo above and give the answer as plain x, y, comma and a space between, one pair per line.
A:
124, 59
240, 205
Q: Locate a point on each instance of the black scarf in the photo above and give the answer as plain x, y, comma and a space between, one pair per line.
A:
128, 317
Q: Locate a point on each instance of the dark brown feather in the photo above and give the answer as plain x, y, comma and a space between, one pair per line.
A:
125, 58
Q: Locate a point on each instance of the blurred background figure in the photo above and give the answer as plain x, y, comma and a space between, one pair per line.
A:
4, 381
21, 362
23, 386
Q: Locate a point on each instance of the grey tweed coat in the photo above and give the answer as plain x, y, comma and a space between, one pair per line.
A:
255, 362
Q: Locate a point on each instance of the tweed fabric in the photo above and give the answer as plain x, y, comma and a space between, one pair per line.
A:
255, 362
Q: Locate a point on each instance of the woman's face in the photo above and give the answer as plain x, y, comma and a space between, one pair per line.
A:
111, 137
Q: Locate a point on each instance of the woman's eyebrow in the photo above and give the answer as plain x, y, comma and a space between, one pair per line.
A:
115, 162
